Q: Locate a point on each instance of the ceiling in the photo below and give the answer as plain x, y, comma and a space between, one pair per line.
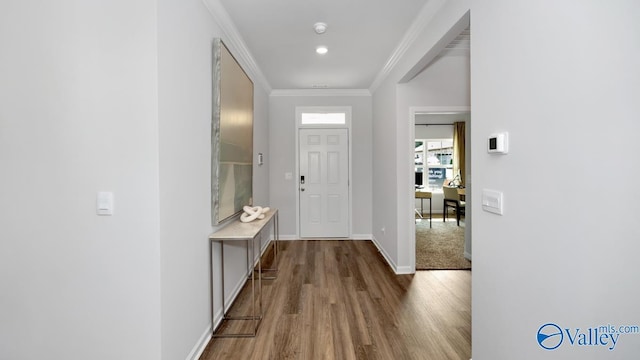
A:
361, 36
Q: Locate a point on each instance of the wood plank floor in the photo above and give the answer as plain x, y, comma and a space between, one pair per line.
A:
340, 300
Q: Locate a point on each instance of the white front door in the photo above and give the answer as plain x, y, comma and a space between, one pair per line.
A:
323, 183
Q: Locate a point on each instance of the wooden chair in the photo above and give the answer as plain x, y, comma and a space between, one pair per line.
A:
452, 199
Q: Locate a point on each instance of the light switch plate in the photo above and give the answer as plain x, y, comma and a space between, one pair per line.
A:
492, 201
104, 204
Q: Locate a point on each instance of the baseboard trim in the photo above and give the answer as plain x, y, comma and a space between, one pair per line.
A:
202, 343
353, 237
467, 256
361, 236
404, 270
384, 254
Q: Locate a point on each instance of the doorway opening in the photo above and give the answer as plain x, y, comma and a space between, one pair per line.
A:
441, 244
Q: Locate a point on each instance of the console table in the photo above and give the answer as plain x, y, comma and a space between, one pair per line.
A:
239, 231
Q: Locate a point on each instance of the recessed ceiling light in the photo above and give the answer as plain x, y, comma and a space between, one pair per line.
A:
322, 50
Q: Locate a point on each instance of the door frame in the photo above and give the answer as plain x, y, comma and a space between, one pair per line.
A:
411, 224
347, 125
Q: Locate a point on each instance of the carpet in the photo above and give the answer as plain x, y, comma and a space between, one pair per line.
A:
440, 247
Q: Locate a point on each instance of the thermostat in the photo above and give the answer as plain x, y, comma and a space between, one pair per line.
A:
498, 143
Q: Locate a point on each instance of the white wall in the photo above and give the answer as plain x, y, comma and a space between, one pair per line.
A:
434, 131
393, 174
185, 32
444, 83
567, 81
78, 116
283, 154
109, 96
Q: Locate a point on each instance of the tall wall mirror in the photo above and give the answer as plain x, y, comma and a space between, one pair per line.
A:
231, 136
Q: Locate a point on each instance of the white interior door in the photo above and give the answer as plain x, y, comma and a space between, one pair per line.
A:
324, 183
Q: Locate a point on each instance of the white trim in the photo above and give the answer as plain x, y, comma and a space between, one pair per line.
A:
467, 256
321, 92
398, 270
202, 343
348, 111
418, 110
289, 237
235, 43
405, 270
384, 254
361, 236
428, 12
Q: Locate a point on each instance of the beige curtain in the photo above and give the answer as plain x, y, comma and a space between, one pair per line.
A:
459, 151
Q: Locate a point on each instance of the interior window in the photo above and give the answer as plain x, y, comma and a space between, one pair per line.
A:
323, 118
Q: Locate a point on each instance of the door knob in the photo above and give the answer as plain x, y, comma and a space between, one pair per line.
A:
301, 189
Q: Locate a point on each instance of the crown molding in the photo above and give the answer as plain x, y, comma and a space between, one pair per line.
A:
321, 92
428, 12
235, 43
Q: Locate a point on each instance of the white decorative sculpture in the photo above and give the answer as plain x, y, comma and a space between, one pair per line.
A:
252, 213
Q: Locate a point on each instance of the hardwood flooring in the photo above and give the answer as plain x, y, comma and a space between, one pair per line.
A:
337, 299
